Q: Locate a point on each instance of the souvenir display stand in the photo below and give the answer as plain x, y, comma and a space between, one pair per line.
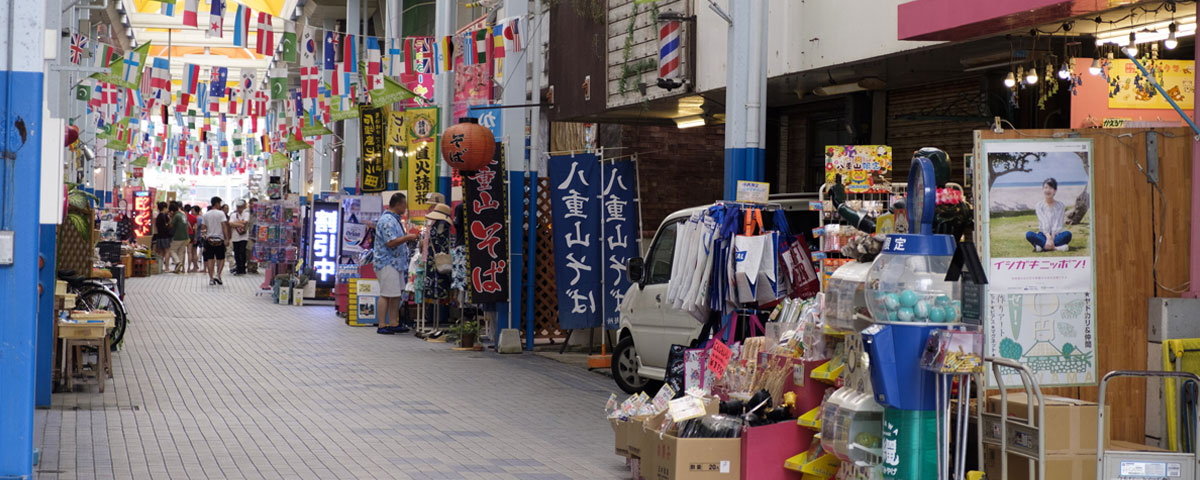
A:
871, 379
276, 235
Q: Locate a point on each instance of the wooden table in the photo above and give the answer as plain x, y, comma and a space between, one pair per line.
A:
75, 336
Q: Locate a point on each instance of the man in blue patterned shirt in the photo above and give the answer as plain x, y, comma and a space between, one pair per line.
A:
391, 263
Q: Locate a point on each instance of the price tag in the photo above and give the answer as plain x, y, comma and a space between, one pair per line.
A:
685, 408
718, 358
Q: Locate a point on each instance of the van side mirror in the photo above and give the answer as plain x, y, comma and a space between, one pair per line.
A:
634, 269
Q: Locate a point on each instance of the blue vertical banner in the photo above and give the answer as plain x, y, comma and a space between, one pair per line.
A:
620, 214
488, 116
578, 259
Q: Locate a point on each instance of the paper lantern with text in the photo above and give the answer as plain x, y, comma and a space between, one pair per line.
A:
468, 146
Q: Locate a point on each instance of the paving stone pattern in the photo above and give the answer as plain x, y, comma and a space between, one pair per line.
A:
216, 382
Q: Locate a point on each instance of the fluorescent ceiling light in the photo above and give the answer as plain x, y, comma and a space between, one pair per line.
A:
870, 83
689, 121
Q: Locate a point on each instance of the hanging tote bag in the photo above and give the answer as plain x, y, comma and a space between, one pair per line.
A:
749, 250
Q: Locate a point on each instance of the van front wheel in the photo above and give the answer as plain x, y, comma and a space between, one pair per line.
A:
624, 367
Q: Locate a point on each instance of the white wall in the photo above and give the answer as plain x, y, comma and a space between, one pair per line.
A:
803, 35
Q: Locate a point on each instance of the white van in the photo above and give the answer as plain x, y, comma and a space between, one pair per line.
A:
648, 328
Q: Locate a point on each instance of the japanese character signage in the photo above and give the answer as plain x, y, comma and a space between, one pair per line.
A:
620, 214
394, 136
487, 232
422, 164
1038, 224
578, 257
374, 175
1128, 88
489, 116
858, 165
142, 209
323, 241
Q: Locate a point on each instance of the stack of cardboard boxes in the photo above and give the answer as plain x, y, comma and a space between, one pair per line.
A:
655, 456
1070, 438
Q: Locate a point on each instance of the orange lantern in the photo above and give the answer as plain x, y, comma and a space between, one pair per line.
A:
468, 146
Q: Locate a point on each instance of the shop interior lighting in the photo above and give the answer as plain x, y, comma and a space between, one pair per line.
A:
1010, 80
1031, 76
689, 121
1095, 68
1172, 41
1131, 47
1155, 32
1064, 72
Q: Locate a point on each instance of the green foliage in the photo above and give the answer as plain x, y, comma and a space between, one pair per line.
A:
464, 327
79, 210
1067, 349
1010, 349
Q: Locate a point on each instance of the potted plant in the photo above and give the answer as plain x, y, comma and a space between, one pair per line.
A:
466, 331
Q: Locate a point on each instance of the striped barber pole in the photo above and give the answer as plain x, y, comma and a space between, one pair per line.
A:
668, 50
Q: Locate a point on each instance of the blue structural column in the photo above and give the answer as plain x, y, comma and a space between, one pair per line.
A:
47, 250
745, 95
21, 67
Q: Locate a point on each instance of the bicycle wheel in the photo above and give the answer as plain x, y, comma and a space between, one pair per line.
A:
103, 299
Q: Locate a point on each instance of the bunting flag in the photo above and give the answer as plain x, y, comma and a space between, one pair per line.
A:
167, 7
421, 63
308, 47
395, 57
241, 26
216, 20
468, 48
338, 86
278, 83
374, 63
202, 98
308, 82
481, 46
266, 35
104, 56
350, 54
234, 93
287, 43
78, 45
512, 34
191, 78
189, 12
330, 50
497, 42
132, 69
160, 82
217, 81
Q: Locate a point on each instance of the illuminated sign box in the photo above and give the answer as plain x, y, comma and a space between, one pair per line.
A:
324, 240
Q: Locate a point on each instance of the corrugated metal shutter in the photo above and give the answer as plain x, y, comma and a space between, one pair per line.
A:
943, 115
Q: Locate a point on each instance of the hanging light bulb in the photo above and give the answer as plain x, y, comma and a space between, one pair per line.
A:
1010, 80
1095, 68
1171, 42
1131, 49
1031, 76
1064, 71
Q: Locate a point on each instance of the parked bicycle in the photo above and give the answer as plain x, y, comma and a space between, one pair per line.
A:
98, 294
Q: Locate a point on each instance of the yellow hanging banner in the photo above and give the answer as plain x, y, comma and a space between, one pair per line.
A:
421, 134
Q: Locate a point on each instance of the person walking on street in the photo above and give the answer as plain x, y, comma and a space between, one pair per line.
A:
193, 248
391, 263
180, 237
162, 234
216, 235
239, 223
250, 262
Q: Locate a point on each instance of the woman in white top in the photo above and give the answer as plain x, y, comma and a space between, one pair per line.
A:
1051, 215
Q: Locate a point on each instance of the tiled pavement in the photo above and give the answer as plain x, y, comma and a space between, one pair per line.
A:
215, 382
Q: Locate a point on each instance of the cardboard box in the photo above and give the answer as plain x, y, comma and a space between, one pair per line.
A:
638, 437
693, 459
620, 437
1070, 424
667, 457
1066, 466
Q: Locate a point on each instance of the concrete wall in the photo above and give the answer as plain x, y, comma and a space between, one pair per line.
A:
804, 35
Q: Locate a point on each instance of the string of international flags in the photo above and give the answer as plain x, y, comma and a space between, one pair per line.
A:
131, 102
